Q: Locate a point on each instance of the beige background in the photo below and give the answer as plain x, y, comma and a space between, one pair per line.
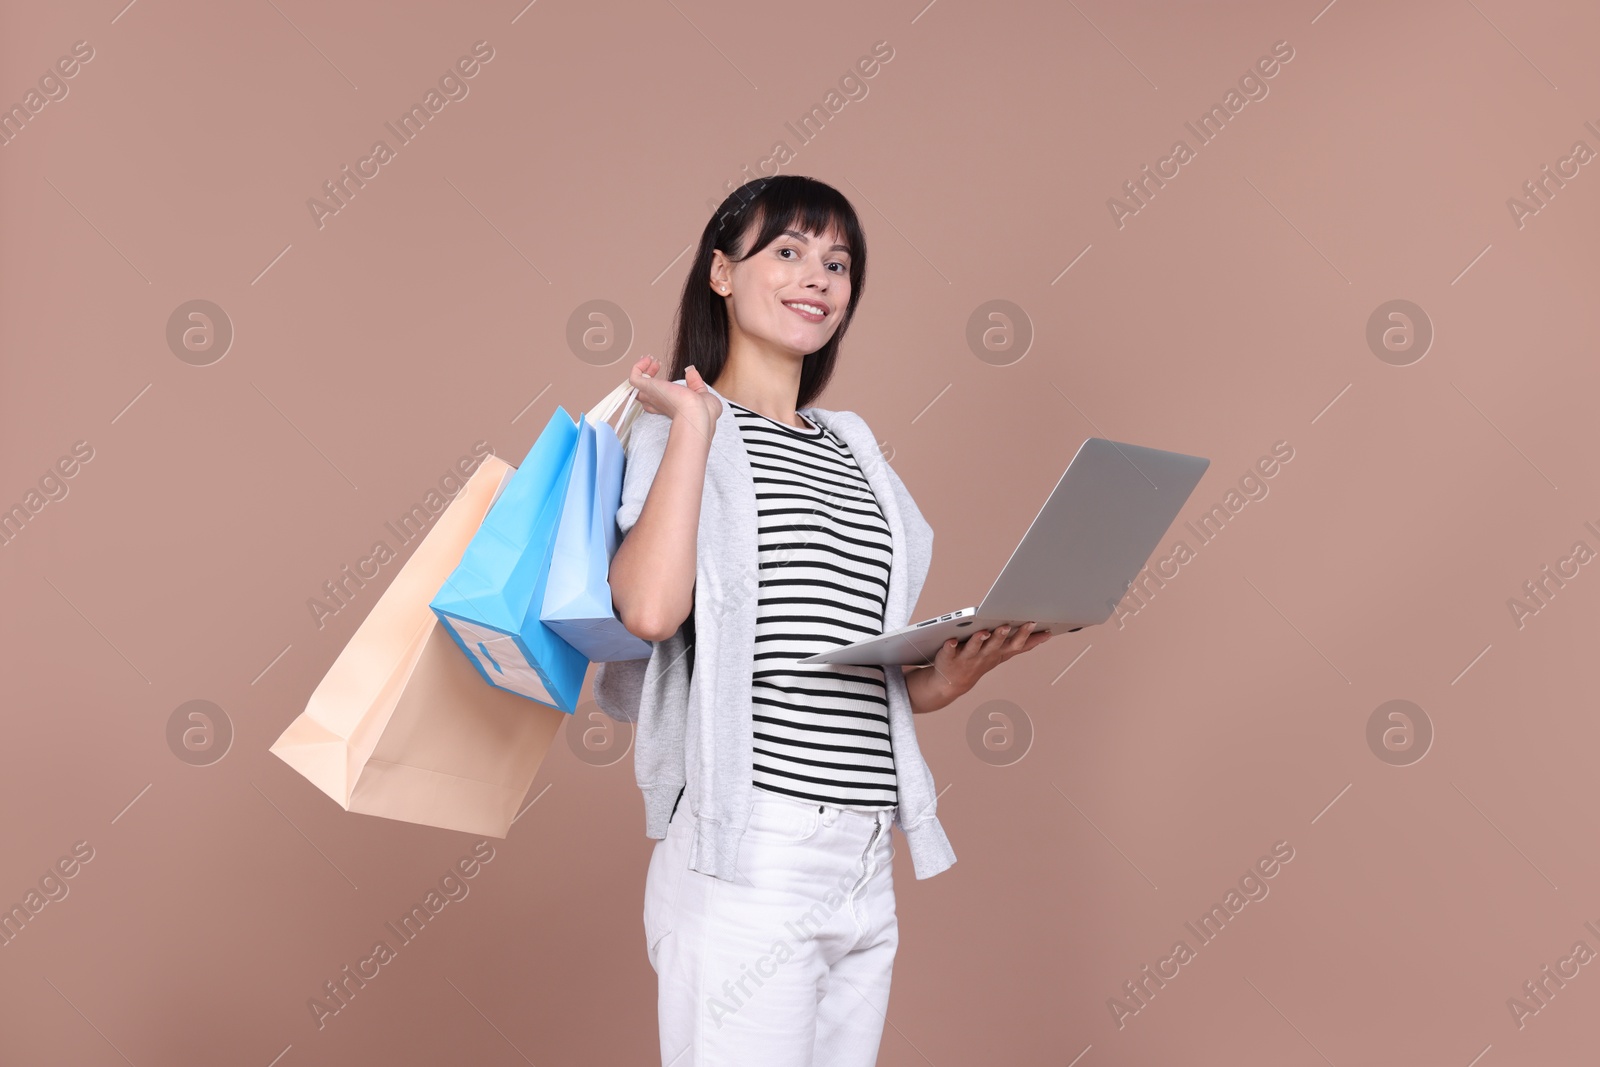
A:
1230, 313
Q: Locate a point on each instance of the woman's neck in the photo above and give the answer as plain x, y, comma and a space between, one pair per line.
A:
766, 392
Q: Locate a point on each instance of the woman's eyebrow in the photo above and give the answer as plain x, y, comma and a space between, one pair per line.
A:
806, 239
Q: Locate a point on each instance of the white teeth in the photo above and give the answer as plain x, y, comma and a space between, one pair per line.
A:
807, 307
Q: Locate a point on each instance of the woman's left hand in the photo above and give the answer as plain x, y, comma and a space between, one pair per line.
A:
960, 666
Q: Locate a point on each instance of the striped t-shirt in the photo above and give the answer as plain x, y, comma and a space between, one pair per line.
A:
821, 729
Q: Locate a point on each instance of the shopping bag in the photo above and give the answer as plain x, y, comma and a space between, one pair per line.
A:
577, 596
490, 603
401, 726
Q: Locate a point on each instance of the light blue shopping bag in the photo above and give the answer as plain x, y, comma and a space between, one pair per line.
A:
577, 598
490, 604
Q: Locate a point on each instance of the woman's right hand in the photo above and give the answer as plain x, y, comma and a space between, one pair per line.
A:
661, 397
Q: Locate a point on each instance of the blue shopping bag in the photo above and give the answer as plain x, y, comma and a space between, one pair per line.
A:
577, 598
490, 603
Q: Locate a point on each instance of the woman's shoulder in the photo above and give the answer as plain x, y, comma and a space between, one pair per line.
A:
831, 416
648, 433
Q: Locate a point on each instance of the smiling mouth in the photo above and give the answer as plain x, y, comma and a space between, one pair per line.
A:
807, 310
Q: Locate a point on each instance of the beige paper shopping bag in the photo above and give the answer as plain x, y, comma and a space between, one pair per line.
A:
402, 726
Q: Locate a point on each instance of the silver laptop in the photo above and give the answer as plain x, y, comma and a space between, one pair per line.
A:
1082, 551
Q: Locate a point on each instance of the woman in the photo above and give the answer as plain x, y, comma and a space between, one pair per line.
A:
757, 530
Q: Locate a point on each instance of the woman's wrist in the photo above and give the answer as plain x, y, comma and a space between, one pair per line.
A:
929, 689
699, 424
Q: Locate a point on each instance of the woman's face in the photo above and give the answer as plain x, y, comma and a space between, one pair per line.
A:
790, 296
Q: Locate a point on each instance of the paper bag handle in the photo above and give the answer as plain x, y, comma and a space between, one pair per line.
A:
624, 395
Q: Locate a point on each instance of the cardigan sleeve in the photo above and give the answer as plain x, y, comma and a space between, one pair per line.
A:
647, 443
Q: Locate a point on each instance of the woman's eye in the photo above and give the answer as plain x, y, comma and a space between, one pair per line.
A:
844, 267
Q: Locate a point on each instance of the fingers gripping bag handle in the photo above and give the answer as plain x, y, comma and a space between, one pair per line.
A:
624, 396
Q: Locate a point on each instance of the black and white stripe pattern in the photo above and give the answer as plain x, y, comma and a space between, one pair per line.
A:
821, 729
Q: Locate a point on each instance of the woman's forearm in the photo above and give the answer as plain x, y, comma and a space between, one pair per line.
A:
929, 690
652, 573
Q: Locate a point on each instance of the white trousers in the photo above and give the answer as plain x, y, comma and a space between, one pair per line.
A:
787, 964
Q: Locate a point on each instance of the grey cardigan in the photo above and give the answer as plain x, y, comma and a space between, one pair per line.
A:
695, 737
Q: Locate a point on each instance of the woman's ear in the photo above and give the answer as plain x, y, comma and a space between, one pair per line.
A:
721, 272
